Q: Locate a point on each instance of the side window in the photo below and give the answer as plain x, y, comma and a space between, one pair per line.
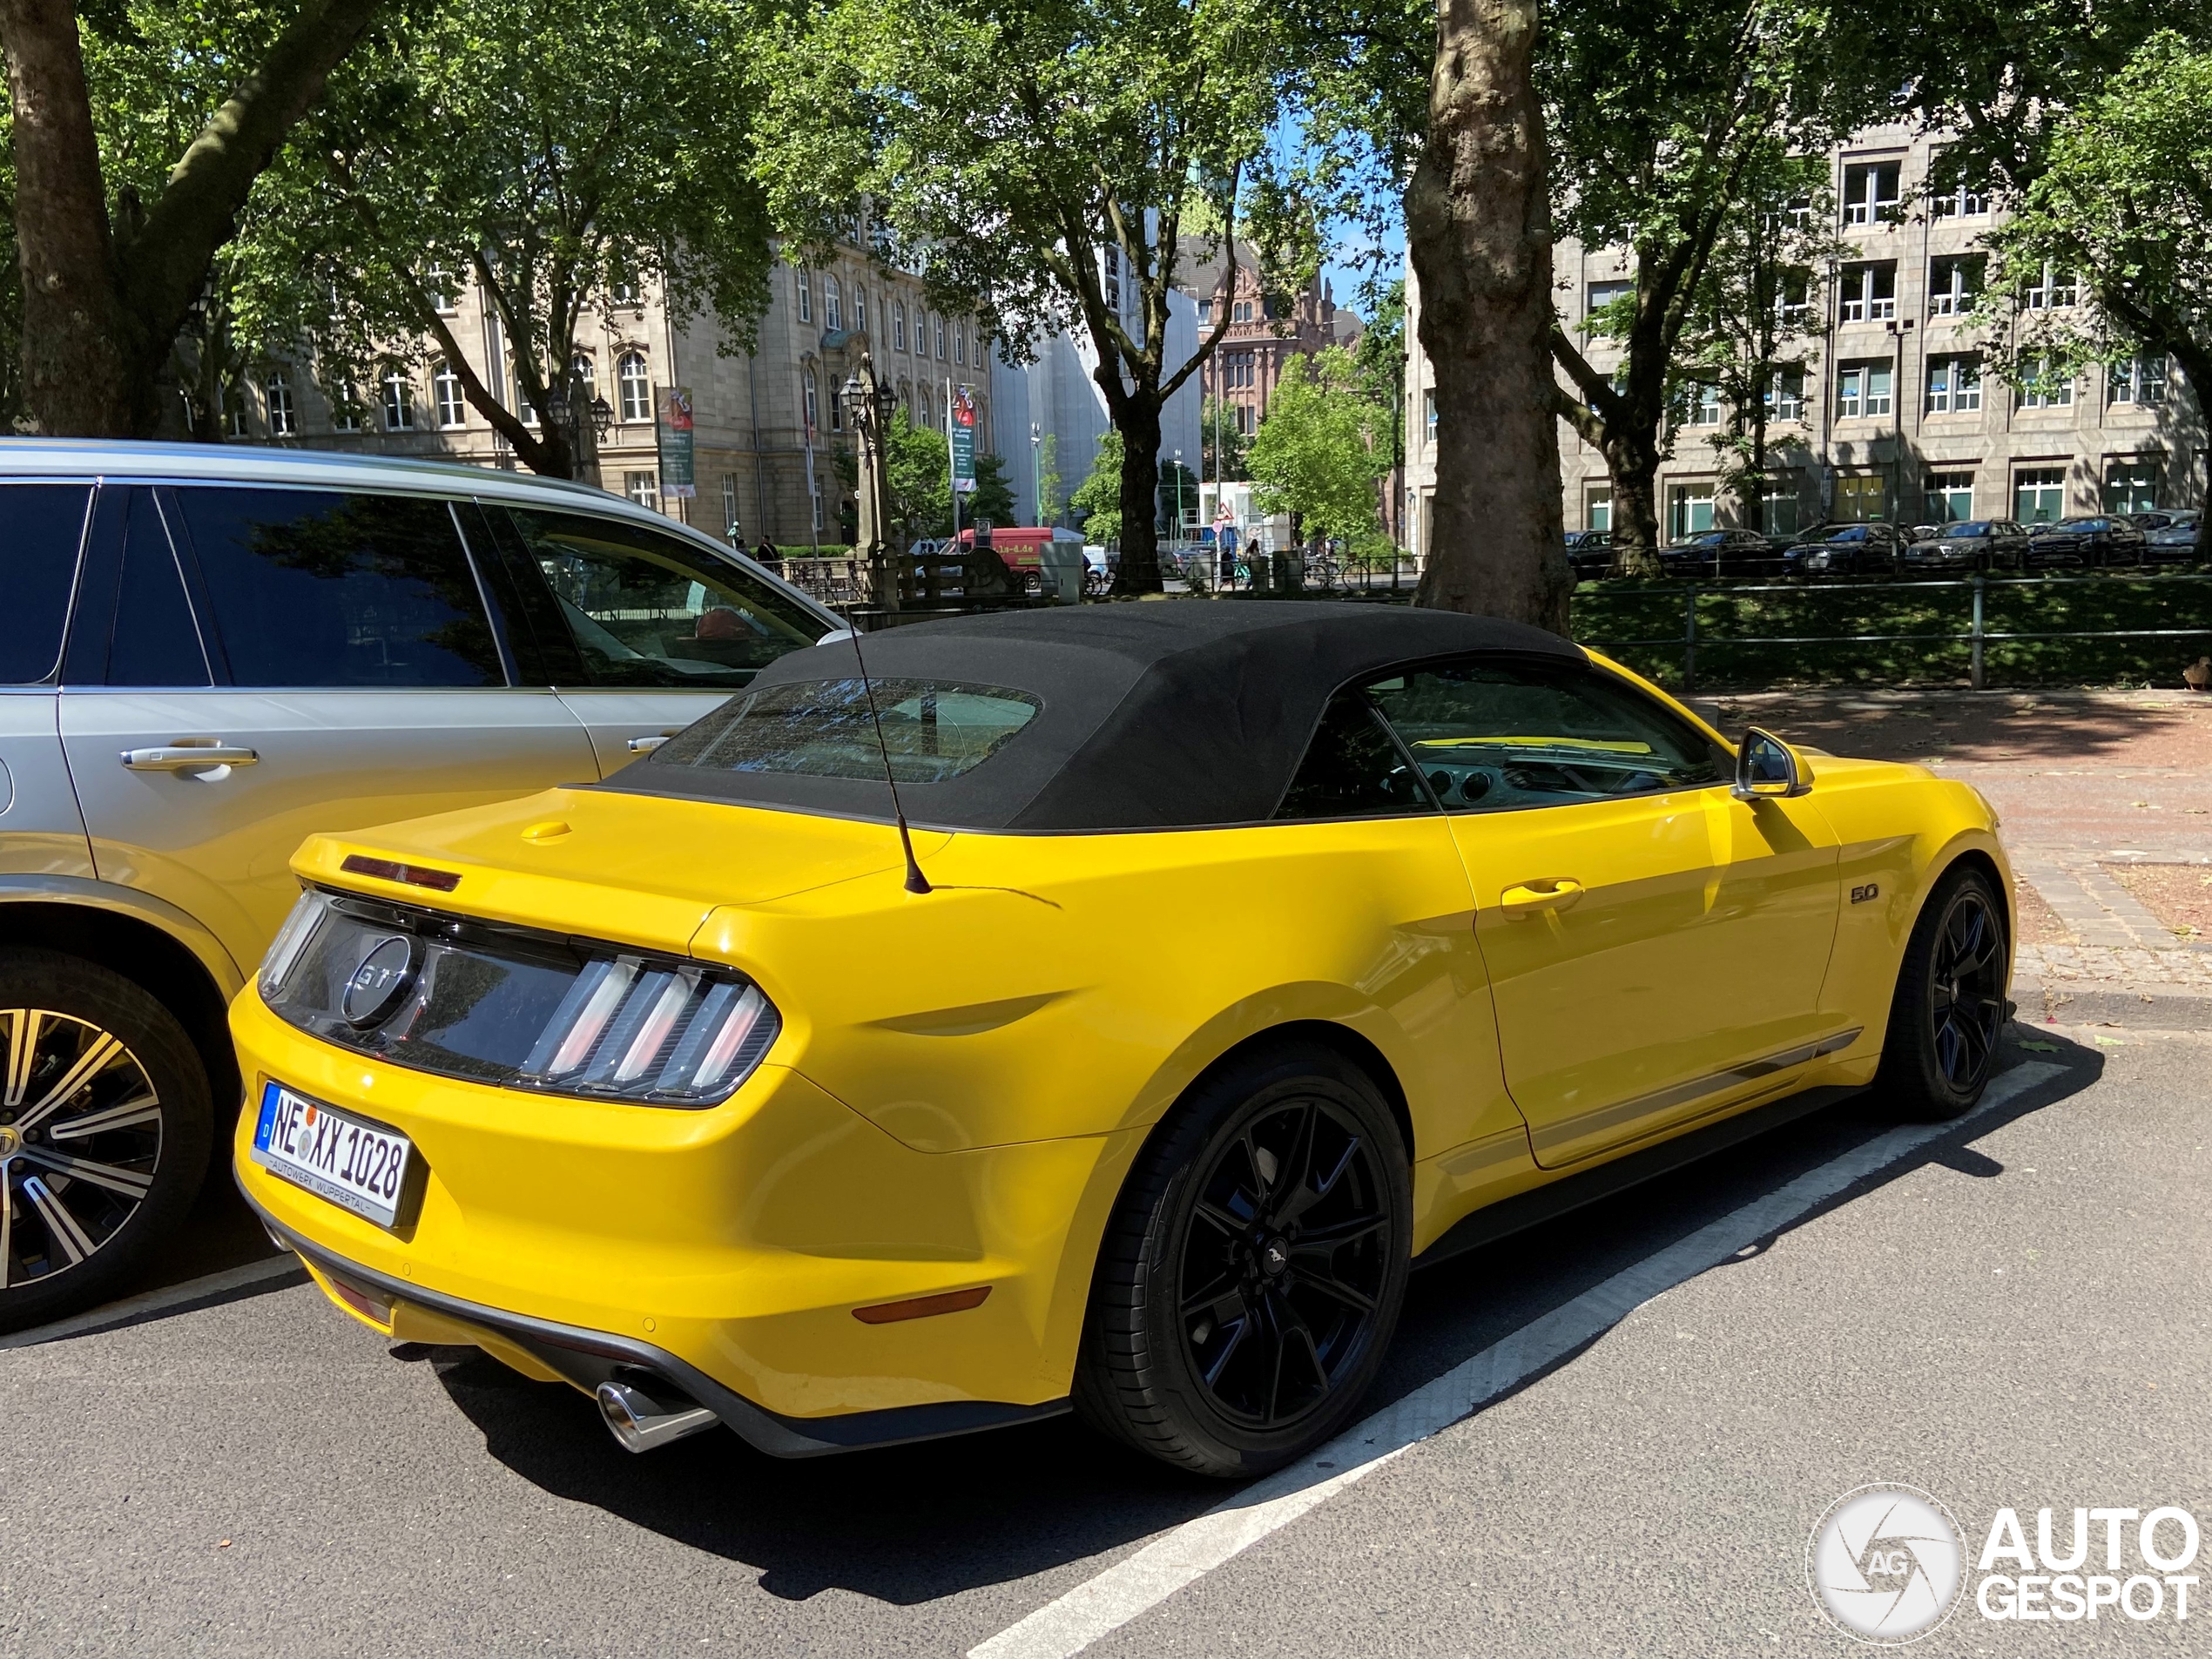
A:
1351, 769
1495, 735
317, 588
648, 610
155, 641
44, 529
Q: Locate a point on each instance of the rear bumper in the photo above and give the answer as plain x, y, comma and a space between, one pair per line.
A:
586, 1358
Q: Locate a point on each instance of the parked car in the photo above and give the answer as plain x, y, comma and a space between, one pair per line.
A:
740, 1106
2098, 539
2180, 543
1845, 550
1973, 544
1717, 553
1589, 554
262, 645
2161, 518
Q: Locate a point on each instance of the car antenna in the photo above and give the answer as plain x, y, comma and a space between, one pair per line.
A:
916, 882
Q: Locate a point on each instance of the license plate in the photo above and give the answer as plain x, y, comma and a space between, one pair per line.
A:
355, 1165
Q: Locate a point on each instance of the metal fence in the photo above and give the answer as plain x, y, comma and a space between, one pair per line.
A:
1975, 635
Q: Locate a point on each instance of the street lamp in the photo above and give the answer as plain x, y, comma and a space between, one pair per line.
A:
1179, 494
1898, 328
1036, 474
869, 406
603, 416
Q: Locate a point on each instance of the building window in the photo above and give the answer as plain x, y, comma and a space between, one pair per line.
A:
1863, 391
1861, 498
960, 344
1701, 403
644, 488
2131, 486
2052, 290
345, 408
1953, 284
833, 304
731, 531
525, 411
806, 294
399, 402
1954, 385
2039, 495
1205, 312
439, 282
1870, 292
234, 411
1113, 280
1429, 412
899, 326
635, 386
1793, 300
1599, 295
813, 406
284, 420
1597, 510
445, 393
1247, 418
1778, 508
1957, 200
623, 290
2139, 380
2045, 388
1950, 497
1690, 511
1871, 192
938, 323
1785, 395
859, 309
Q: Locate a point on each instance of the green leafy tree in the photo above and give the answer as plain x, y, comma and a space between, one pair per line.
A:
1049, 500
1677, 122
149, 128
918, 469
1378, 361
2123, 200
992, 500
1317, 455
556, 152
1221, 443
1112, 129
1097, 504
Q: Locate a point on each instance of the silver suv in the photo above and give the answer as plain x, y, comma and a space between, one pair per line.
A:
205, 655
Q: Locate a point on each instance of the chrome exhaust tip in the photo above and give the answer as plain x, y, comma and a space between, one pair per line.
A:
639, 1422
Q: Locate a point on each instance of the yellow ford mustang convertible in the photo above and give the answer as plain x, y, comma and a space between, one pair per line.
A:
1247, 955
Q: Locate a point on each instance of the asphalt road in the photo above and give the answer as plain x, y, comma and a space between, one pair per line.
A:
2014, 1314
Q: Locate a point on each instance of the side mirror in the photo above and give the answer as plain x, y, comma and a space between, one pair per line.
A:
1767, 768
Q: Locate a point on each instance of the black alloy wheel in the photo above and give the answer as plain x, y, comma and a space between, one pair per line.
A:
104, 1125
1252, 1273
1949, 1010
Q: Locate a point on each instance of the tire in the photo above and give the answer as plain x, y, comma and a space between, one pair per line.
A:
136, 1125
1940, 1050
1252, 1272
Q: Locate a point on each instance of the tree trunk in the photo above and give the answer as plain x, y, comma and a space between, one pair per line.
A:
1138, 422
1633, 468
1478, 225
77, 347
103, 303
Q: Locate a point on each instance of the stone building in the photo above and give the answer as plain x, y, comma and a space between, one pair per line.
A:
1895, 416
768, 424
1264, 332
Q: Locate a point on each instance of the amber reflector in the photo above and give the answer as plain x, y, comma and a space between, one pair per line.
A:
391, 870
922, 1306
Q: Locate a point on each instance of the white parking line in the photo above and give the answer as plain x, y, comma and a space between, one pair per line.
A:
1071, 1624
134, 1307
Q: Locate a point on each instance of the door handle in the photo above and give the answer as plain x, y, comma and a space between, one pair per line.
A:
1544, 892
189, 754
646, 745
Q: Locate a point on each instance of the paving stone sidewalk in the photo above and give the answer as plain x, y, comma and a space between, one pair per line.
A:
2086, 783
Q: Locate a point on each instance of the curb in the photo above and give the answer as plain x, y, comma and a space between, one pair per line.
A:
2161, 1008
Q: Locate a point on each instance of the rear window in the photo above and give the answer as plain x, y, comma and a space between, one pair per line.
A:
42, 526
931, 730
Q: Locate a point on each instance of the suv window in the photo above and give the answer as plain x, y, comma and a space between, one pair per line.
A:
315, 587
45, 530
155, 640
646, 610
1351, 769
1493, 736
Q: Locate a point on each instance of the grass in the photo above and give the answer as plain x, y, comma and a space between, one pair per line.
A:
1846, 618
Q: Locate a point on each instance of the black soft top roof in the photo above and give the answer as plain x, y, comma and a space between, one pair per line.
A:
1155, 716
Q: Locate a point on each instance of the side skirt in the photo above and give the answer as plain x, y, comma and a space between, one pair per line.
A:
1526, 1210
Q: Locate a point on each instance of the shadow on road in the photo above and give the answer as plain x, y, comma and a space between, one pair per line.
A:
910, 1524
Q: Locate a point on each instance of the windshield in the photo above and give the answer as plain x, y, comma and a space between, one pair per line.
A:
1978, 526
931, 730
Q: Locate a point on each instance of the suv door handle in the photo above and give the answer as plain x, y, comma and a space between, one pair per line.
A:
187, 755
1549, 892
